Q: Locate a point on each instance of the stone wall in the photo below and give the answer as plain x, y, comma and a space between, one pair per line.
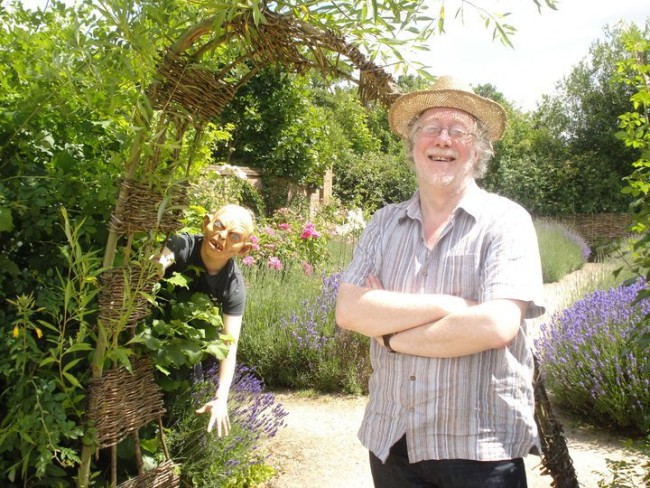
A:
315, 196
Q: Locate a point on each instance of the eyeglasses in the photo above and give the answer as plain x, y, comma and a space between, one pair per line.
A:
455, 134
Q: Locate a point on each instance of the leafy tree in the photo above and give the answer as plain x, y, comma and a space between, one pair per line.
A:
634, 70
576, 132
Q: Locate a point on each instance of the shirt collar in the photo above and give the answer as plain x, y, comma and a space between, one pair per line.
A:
471, 203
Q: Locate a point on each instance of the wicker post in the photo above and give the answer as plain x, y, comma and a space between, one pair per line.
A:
555, 452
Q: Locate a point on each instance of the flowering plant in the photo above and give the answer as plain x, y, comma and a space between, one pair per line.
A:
285, 240
234, 460
592, 361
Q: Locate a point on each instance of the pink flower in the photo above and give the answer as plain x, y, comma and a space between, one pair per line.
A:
248, 260
307, 268
275, 263
255, 242
309, 231
284, 226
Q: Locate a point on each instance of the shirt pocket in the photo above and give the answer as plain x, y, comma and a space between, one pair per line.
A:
461, 275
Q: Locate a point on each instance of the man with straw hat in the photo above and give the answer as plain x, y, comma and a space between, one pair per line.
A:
443, 282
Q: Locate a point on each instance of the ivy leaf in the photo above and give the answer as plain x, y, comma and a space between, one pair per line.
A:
175, 355
217, 349
177, 279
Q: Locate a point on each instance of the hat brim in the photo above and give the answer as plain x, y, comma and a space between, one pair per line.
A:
410, 105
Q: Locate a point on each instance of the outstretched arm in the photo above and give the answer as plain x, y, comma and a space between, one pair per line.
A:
218, 408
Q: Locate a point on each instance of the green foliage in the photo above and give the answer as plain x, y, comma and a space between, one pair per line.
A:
635, 132
565, 156
277, 129
211, 191
44, 365
184, 330
372, 180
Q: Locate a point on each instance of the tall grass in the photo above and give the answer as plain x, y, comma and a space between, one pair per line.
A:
562, 250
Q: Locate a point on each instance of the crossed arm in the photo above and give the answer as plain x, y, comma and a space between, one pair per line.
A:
432, 325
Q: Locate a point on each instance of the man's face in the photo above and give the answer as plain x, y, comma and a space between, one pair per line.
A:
225, 234
443, 148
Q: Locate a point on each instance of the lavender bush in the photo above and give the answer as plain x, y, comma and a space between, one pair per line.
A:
291, 337
593, 363
235, 460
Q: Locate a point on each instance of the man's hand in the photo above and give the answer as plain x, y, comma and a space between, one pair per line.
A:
218, 410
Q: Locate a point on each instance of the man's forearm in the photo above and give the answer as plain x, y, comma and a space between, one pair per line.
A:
491, 325
374, 312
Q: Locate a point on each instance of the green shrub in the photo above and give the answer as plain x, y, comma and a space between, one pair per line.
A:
372, 180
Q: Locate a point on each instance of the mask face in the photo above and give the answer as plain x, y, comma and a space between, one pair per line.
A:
225, 234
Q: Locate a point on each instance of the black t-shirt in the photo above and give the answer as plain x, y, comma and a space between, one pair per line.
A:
227, 287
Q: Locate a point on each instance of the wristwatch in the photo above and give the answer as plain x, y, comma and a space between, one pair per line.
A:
386, 338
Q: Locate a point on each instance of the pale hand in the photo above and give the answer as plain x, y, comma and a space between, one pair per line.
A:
218, 410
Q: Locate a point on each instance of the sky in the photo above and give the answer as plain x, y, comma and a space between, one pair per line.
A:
546, 45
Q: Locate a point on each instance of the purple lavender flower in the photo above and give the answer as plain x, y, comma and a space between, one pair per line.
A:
592, 359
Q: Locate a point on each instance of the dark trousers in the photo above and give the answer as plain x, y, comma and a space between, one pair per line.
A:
397, 472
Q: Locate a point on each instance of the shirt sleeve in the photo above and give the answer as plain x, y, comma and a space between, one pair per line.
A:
513, 267
182, 246
234, 299
367, 254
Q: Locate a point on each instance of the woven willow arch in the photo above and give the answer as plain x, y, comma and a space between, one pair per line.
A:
193, 86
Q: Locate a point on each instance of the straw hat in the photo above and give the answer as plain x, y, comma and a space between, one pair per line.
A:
446, 92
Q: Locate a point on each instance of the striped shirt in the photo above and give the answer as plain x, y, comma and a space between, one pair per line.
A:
479, 406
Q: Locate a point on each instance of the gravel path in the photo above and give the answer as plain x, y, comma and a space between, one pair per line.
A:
319, 449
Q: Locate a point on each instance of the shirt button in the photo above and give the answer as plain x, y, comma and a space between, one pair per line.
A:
412, 377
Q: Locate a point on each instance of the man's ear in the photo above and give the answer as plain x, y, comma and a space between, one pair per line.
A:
206, 221
245, 249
